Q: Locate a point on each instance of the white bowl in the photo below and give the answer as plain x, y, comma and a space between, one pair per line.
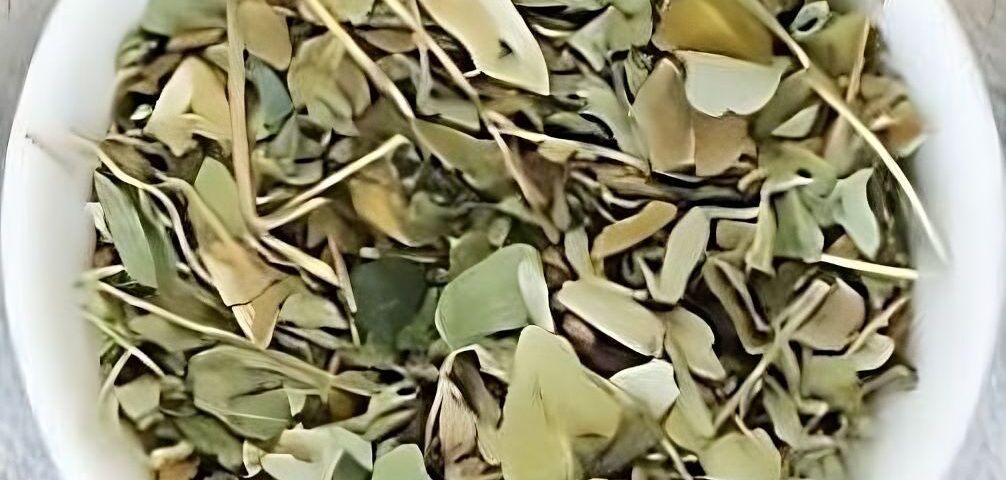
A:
46, 241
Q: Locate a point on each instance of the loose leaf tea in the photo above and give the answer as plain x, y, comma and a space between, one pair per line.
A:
502, 239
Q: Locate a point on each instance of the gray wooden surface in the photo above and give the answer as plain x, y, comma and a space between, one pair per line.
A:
22, 456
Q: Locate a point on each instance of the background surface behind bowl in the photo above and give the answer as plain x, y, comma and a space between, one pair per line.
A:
43, 245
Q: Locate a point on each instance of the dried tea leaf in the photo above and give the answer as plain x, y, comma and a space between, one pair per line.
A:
217, 188
265, 33
601, 101
551, 402
614, 313
211, 438
481, 161
738, 456
140, 399
274, 104
627, 233
333, 104
405, 462
247, 390
716, 84
800, 124
833, 325
832, 379
695, 341
784, 414
851, 209
829, 46
496, 37
665, 119
651, 384
621, 26
388, 293
690, 423
167, 335
506, 291
170, 17
798, 234
307, 310
720, 143
686, 246
127, 231
722, 27
873, 354
320, 453
192, 102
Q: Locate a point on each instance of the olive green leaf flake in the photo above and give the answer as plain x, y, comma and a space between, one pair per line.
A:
127, 230
851, 209
622, 25
211, 438
170, 17
665, 119
875, 351
388, 293
695, 340
740, 456
405, 462
800, 124
716, 84
248, 390
627, 233
614, 313
265, 33
332, 103
798, 234
480, 161
552, 402
506, 291
651, 384
722, 27
832, 379
320, 453
829, 46
600, 101
499, 42
140, 400
782, 409
193, 102
793, 96
308, 310
686, 245
170, 337
218, 190
467, 251
273, 100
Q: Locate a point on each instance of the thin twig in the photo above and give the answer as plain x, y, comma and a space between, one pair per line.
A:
382, 151
123, 343
241, 153
870, 268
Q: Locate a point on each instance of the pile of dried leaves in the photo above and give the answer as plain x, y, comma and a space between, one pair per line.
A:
484, 239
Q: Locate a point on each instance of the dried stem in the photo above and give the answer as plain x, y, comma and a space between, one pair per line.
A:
241, 154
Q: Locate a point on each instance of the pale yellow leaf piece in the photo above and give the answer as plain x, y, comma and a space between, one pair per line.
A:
720, 143
695, 340
834, 324
651, 384
379, 199
715, 26
627, 233
192, 102
664, 118
265, 33
736, 456
552, 401
800, 124
716, 84
686, 246
577, 248
873, 354
500, 43
690, 423
615, 313
258, 318
238, 273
